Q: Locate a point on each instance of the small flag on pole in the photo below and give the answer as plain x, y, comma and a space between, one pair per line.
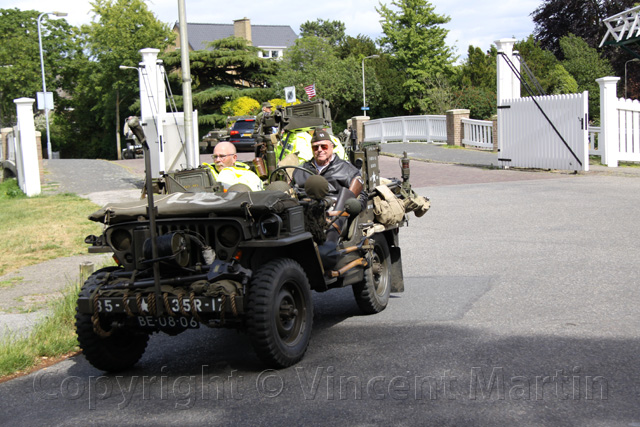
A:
311, 91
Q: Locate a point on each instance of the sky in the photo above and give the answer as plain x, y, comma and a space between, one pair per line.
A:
477, 23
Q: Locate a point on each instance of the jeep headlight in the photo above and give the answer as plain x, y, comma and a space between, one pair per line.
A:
228, 236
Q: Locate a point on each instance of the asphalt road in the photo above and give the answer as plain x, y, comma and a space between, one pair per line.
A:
521, 308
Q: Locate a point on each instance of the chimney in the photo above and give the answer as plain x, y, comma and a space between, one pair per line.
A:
242, 28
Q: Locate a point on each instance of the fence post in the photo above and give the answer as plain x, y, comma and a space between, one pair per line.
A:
609, 121
455, 130
494, 132
27, 153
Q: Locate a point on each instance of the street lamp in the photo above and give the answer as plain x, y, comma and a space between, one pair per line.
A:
364, 102
44, 84
625, 74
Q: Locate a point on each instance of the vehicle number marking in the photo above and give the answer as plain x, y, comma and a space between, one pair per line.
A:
168, 321
106, 305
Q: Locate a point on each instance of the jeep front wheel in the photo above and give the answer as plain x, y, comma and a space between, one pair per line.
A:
119, 350
279, 312
372, 294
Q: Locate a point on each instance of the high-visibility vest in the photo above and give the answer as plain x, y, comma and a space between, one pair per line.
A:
239, 175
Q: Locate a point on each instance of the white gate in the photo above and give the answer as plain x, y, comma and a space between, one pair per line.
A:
545, 132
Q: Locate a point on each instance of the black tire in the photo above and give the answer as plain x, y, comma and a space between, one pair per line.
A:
279, 312
114, 353
128, 154
372, 294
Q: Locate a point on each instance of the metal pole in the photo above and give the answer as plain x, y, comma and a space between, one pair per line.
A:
186, 84
44, 83
364, 102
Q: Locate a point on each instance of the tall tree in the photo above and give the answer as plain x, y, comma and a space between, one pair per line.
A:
103, 92
555, 19
20, 72
313, 60
331, 31
230, 69
415, 39
586, 65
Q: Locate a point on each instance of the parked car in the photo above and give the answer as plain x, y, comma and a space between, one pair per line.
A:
241, 134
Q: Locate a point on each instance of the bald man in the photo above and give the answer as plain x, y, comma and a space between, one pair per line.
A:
229, 171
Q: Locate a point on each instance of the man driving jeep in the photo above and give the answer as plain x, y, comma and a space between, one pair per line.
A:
339, 173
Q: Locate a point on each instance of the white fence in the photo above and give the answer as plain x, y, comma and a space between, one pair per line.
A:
628, 130
595, 147
619, 139
527, 139
406, 128
478, 133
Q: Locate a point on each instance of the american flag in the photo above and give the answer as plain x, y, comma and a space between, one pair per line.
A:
311, 90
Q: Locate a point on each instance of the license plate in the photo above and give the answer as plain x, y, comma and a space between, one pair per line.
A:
247, 135
200, 304
182, 322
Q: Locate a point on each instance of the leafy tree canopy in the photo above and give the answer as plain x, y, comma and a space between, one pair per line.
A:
20, 71
331, 31
229, 70
415, 39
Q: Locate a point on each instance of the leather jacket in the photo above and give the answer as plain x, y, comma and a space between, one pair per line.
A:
339, 173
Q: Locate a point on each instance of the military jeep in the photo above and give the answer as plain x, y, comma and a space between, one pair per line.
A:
244, 260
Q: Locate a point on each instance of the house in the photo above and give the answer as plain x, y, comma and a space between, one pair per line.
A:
272, 39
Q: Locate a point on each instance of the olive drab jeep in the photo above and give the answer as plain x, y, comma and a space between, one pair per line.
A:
244, 260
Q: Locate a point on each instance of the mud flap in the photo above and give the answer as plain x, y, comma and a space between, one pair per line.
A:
397, 280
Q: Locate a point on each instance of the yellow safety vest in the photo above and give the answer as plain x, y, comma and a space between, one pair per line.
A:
238, 174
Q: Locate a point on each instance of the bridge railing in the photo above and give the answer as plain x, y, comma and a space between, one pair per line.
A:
406, 128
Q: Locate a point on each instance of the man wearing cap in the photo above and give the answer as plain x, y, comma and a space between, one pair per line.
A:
228, 171
339, 173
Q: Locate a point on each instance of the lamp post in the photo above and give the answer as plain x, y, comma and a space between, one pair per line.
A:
625, 74
44, 83
364, 101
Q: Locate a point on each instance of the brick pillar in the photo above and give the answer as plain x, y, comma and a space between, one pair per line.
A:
455, 130
357, 123
494, 132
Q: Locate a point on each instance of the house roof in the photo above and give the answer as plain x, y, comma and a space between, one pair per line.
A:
261, 35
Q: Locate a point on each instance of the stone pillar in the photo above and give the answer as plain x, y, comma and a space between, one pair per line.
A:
27, 152
358, 124
508, 85
494, 132
609, 138
455, 130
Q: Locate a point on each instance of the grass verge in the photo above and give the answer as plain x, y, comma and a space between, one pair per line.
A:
51, 337
37, 229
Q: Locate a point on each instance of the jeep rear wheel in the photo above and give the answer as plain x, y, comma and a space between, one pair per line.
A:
113, 353
279, 312
372, 294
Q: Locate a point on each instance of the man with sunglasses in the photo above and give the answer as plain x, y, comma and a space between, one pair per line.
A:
339, 173
229, 171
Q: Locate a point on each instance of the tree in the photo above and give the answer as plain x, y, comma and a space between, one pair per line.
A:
586, 65
120, 28
20, 72
331, 31
549, 72
229, 70
555, 19
415, 39
313, 60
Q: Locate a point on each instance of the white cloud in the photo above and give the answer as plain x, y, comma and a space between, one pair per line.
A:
478, 23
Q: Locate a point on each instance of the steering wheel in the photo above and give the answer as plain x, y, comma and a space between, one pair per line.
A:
290, 176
